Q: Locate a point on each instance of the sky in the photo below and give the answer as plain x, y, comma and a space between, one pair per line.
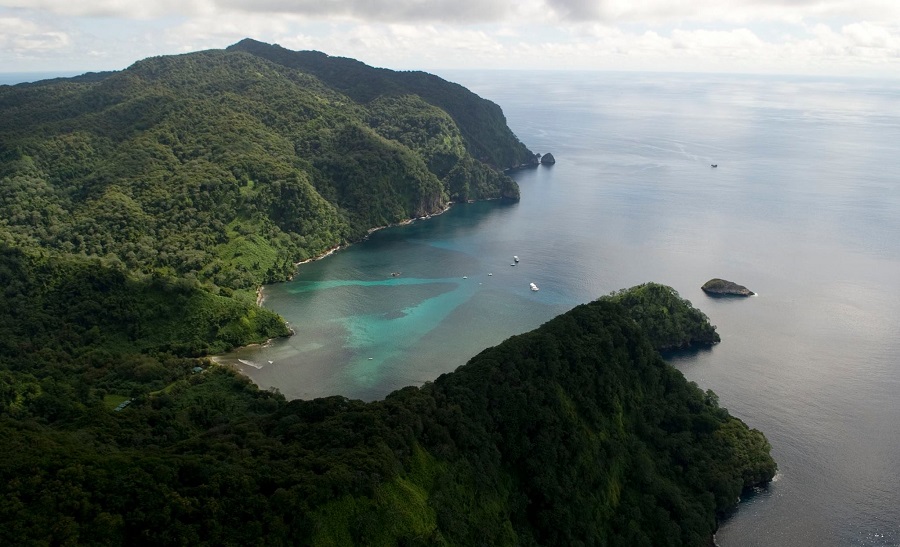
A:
822, 37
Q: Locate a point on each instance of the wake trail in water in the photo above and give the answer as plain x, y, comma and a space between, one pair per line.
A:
250, 364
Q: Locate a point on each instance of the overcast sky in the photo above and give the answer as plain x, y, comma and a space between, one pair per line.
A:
835, 37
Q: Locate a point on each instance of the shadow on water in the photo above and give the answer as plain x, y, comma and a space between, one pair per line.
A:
685, 354
394, 249
747, 496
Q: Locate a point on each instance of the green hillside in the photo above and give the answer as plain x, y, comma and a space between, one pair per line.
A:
481, 122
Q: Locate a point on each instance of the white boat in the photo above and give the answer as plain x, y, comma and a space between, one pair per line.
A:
534, 287
515, 258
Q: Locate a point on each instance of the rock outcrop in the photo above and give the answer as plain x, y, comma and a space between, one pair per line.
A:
721, 287
548, 159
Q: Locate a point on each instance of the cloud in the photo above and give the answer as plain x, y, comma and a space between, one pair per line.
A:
854, 48
868, 35
740, 41
468, 11
23, 38
411, 46
652, 12
579, 10
399, 11
830, 36
734, 11
126, 9
863, 43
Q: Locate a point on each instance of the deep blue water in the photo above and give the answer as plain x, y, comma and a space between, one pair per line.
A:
804, 208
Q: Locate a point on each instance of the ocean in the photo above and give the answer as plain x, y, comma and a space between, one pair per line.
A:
13, 78
803, 208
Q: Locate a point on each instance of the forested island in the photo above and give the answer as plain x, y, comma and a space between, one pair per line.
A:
139, 212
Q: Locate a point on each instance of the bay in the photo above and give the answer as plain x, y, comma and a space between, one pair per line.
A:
803, 208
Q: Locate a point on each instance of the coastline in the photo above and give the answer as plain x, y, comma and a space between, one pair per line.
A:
260, 290
260, 293
327, 252
408, 221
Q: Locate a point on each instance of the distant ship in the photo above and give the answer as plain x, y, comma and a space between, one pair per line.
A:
515, 258
534, 287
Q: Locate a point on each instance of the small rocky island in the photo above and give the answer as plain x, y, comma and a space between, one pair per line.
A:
548, 159
720, 287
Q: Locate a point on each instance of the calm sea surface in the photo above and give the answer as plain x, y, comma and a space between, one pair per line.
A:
13, 78
804, 208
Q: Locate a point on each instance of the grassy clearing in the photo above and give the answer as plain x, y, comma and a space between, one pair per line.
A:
112, 401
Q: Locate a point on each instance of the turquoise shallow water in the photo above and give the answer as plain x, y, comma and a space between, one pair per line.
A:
453, 296
804, 208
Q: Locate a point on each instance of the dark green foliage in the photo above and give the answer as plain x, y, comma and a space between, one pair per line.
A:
575, 433
603, 441
481, 122
379, 180
670, 321
111, 331
432, 134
